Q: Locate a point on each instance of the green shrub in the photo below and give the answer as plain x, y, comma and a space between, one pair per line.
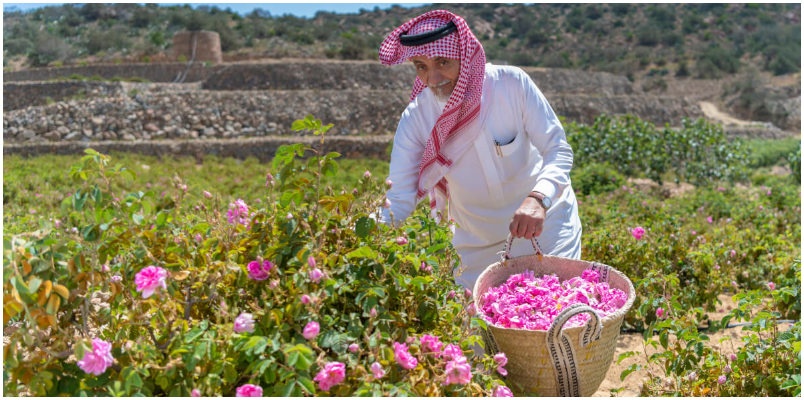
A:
768, 152
374, 291
794, 160
182, 58
682, 69
698, 152
17, 46
595, 178
146, 59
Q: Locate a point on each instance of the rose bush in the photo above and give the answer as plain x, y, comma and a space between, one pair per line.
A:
140, 299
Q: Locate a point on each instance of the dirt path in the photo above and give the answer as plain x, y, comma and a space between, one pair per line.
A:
711, 111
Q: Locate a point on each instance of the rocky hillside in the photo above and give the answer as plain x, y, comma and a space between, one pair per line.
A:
635, 40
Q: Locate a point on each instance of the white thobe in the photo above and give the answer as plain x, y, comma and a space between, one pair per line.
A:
486, 188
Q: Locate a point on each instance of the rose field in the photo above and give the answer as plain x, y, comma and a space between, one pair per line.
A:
130, 275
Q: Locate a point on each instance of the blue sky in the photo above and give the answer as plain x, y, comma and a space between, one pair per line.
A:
306, 10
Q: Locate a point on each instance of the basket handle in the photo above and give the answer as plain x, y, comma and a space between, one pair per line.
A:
507, 248
562, 351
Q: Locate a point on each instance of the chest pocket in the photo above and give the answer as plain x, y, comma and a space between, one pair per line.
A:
515, 157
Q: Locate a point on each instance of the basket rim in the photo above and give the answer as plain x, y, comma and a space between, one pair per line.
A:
619, 314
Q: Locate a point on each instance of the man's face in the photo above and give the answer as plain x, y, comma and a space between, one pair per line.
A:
440, 74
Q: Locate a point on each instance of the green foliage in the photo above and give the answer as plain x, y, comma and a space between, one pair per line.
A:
765, 152
595, 179
698, 152
794, 160
761, 31
182, 58
17, 46
182, 338
767, 364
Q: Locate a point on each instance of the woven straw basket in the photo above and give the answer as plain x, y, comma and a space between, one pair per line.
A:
556, 362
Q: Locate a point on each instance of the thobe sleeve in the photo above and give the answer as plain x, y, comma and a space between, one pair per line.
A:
406, 157
547, 135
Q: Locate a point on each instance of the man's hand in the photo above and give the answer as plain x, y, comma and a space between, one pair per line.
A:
528, 220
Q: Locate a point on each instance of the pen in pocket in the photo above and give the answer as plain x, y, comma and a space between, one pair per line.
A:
497, 148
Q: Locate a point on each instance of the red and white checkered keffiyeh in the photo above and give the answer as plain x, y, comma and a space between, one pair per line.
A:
459, 119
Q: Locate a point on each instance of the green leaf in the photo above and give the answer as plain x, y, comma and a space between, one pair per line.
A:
307, 384
363, 252
33, 284
363, 226
292, 358
329, 168
298, 125
629, 370
161, 218
663, 339
137, 218
288, 388
193, 334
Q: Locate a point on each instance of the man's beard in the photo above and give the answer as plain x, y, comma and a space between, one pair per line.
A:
439, 91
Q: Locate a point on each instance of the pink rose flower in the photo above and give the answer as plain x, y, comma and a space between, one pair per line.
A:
717, 267
99, 359
311, 330
249, 390
387, 203
638, 232
305, 299
389, 183
373, 313
238, 213
452, 352
403, 357
458, 372
500, 359
289, 216
721, 379
502, 391
149, 279
311, 261
733, 357
727, 369
195, 393
105, 268
709, 220
198, 237
354, 348
692, 376
316, 275
332, 374
376, 369
367, 175
471, 310
431, 344
116, 278
259, 272
244, 323
451, 295
274, 283
772, 285
659, 312
401, 240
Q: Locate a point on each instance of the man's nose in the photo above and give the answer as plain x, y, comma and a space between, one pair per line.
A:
435, 78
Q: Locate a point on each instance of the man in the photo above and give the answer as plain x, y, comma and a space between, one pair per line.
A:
483, 137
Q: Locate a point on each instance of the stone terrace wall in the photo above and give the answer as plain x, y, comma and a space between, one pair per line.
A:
263, 148
208, 114
26, 94
154, 72
326, 75
372, 75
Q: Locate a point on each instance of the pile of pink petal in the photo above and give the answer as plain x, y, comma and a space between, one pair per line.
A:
527, 302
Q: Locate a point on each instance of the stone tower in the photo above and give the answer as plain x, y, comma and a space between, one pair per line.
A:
207, 46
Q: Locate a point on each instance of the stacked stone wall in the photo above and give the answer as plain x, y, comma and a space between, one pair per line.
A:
154, 72
28, 94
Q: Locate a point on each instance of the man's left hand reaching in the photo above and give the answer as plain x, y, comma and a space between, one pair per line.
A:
528, 220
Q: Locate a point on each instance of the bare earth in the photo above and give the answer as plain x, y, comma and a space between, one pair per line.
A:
711, 111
